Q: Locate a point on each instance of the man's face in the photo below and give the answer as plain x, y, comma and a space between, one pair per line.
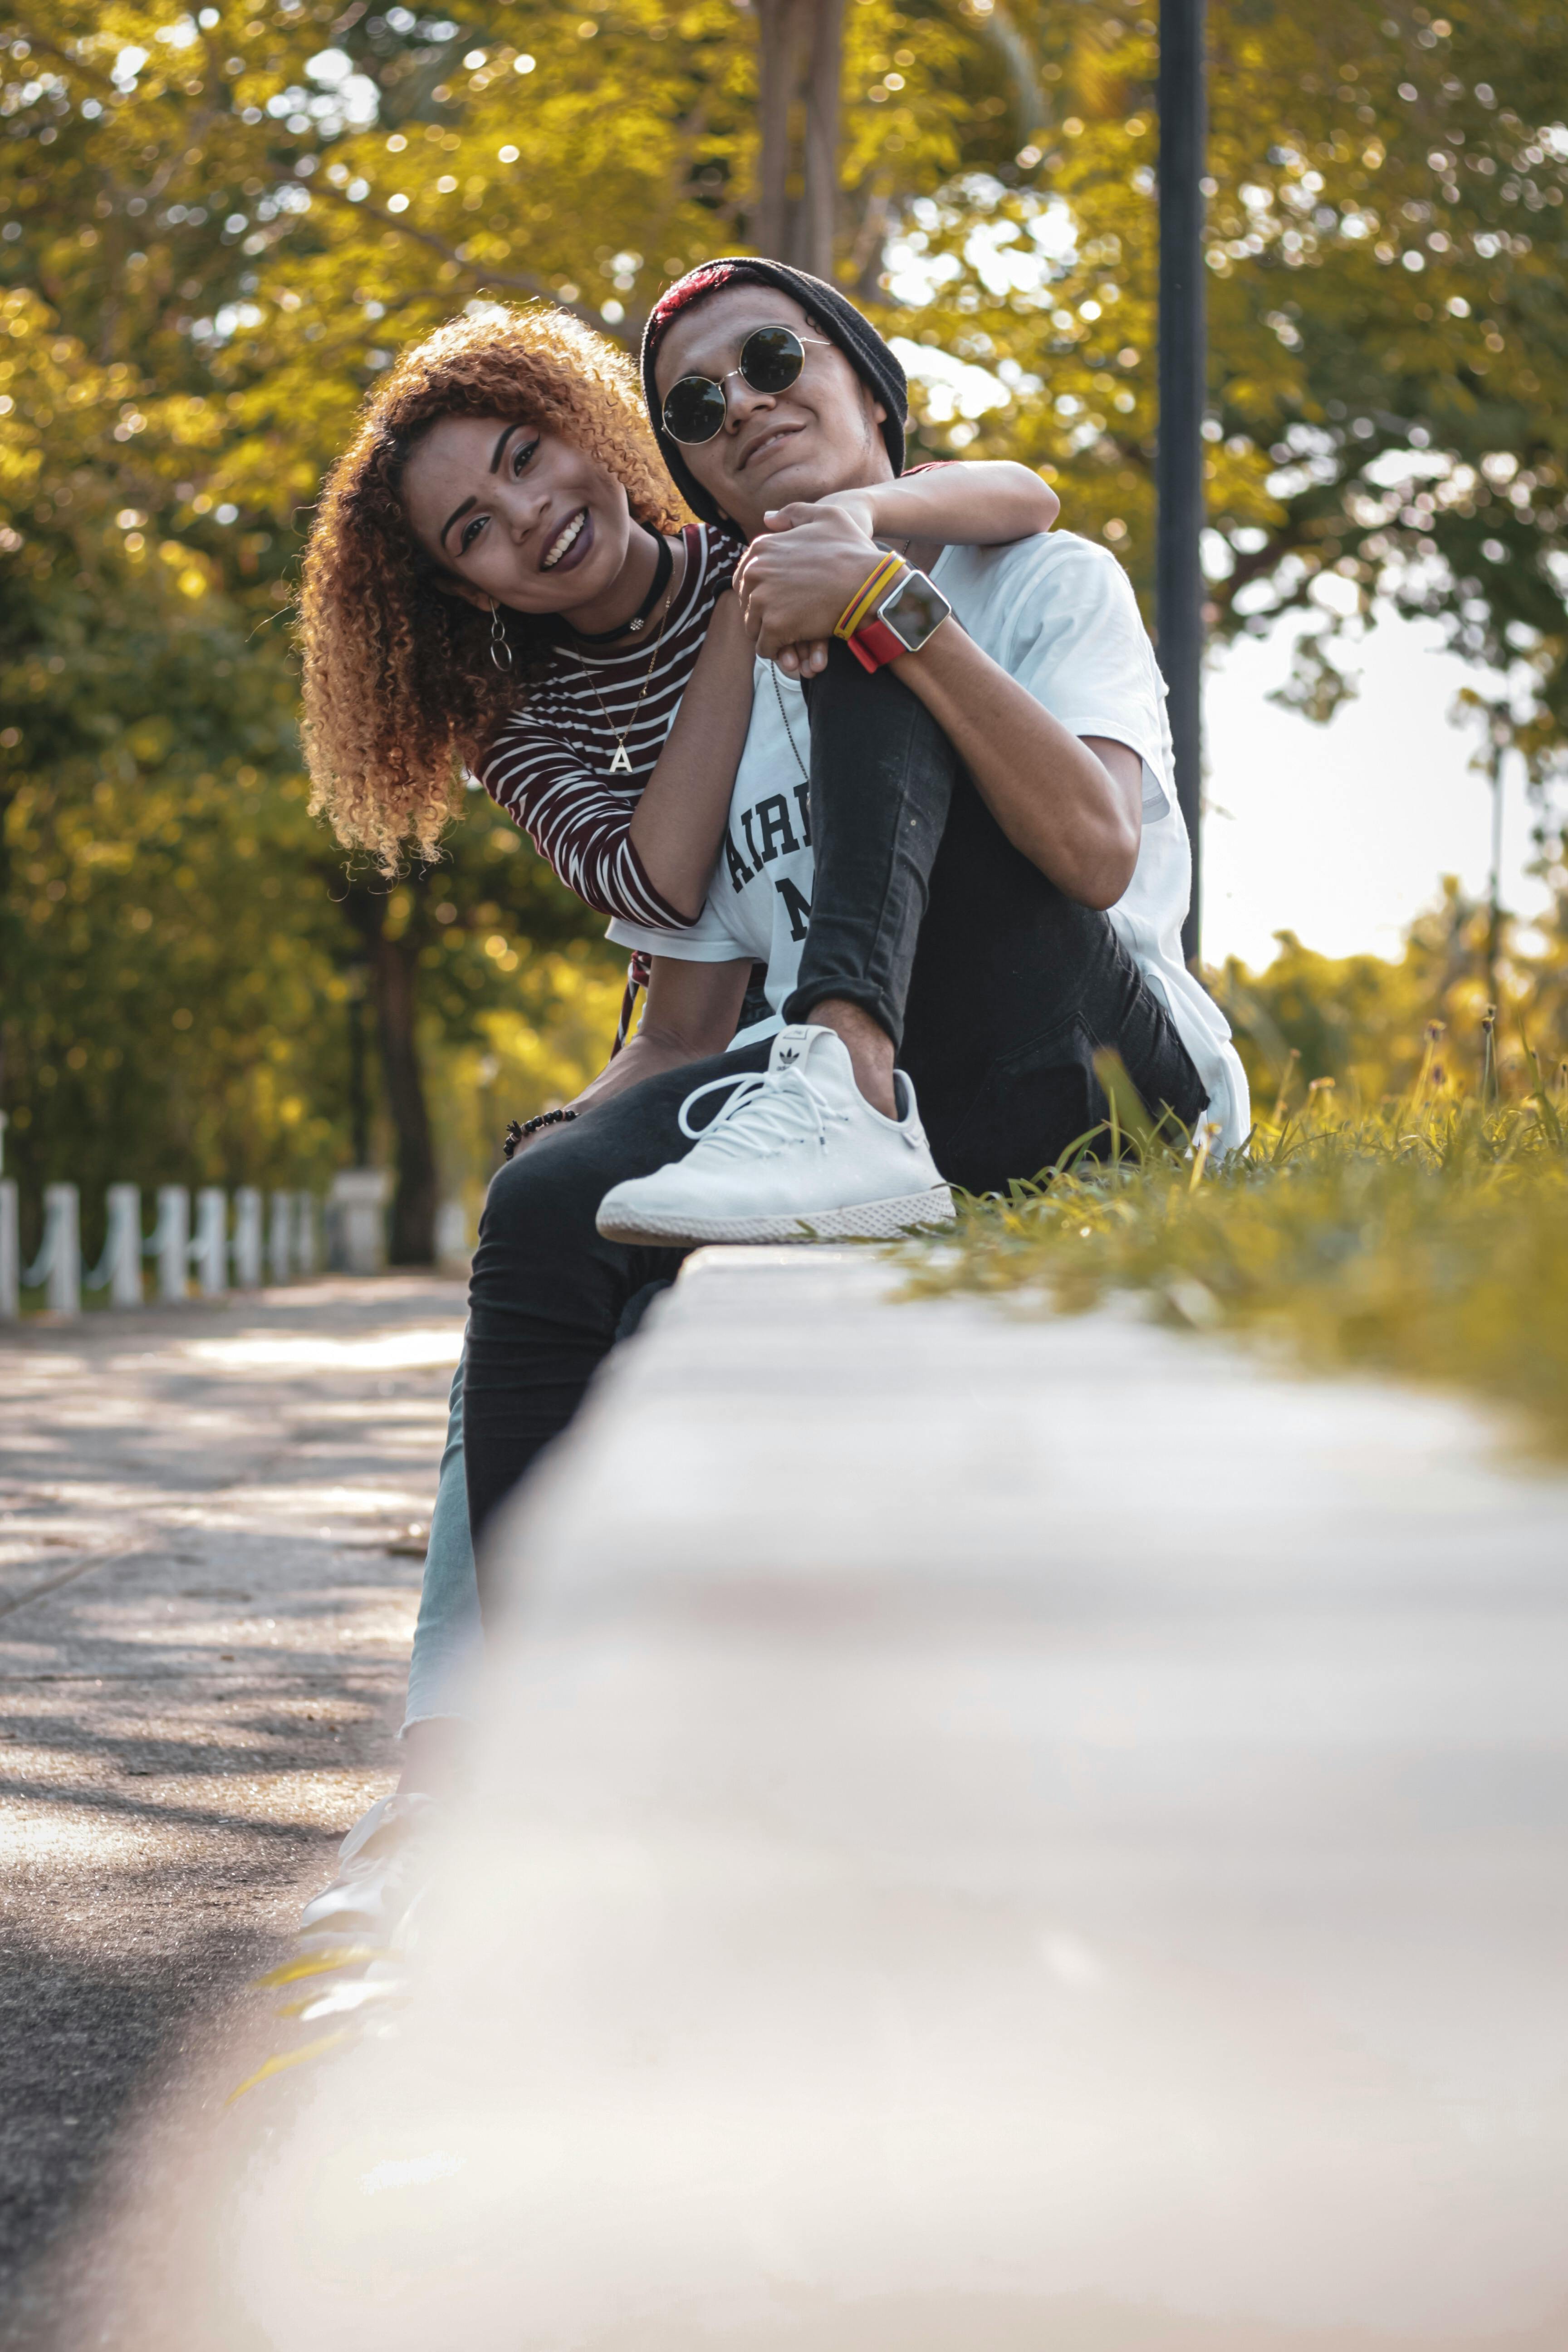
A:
820, 436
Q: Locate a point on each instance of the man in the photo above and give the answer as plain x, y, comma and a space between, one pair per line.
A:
983, 871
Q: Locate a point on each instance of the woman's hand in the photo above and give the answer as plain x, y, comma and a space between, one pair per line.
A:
859, 506
807, 660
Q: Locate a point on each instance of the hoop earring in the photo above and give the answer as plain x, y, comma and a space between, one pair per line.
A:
500, 643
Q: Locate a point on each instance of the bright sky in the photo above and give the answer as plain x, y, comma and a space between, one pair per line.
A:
1339, 832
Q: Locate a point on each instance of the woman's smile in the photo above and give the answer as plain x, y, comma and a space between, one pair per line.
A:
570, 543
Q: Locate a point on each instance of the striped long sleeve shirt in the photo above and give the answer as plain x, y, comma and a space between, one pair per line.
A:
550, 767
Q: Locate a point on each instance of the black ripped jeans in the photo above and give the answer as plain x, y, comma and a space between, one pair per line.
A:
997, 990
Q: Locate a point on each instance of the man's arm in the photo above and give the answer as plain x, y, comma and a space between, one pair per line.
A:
1074, 806
690, 1012
1072, 803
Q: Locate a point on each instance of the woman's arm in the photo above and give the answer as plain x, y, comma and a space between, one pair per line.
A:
678, 823
982, 504
690, 1012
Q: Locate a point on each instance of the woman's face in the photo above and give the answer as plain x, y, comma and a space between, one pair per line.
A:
516, 515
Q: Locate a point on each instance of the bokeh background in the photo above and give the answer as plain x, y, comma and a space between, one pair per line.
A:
216, 229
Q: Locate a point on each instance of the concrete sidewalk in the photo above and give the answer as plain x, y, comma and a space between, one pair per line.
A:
994, 1832
203, 1640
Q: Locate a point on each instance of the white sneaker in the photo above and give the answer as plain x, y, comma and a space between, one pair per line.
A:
796, 1154
381, 1869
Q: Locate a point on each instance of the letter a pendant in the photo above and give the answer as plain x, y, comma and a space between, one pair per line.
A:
620, 765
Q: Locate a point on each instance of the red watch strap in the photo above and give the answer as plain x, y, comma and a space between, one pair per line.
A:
874, 645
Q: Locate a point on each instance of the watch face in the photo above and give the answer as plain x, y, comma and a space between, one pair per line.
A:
914, 611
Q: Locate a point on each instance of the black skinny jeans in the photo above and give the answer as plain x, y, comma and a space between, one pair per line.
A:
997, 988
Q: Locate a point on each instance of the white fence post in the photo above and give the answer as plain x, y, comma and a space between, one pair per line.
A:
279, 1222
10, 1253
171, 1242
358, 1201
209, 1251
119, 1270
306, 1254
58, 1261
247, 1238
125, 1206
453, 1250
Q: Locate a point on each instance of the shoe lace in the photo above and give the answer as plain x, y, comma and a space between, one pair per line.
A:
769, 1108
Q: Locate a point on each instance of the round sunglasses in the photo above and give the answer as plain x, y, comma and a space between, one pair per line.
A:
771, 361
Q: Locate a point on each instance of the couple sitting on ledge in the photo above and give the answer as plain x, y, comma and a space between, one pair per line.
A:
871, 770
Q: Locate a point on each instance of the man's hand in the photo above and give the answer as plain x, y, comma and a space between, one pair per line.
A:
793, 583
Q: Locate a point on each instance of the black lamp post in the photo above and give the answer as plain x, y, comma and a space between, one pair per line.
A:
1179, 580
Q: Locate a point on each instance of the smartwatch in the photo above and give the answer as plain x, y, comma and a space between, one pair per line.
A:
907, 618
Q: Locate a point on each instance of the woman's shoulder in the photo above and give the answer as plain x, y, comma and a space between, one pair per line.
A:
713, 552
537, 717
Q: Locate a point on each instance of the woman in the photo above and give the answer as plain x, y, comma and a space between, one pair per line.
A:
499, 579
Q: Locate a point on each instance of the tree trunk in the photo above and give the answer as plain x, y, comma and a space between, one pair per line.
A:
394, 976
819, 195
799, 66
393, 969
775, 31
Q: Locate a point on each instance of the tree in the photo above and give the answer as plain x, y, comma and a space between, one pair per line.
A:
159, 427
1388, 333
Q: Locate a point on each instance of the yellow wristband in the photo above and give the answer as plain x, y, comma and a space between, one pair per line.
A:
865, 595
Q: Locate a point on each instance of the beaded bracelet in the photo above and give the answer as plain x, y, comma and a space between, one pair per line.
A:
516, 1134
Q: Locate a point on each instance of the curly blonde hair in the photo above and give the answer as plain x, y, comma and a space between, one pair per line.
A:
399, 687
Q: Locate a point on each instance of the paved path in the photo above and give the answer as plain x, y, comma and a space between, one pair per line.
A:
203, 1644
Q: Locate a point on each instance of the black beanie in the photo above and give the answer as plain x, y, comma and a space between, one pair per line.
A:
855, 337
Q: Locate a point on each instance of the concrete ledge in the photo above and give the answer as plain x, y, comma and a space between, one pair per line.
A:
996, 1832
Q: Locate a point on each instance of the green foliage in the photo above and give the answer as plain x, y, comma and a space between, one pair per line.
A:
1389, 371
215, 230
1422, 1240
1359, 1023
181, 950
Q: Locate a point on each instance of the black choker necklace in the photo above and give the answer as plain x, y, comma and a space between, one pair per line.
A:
638, 622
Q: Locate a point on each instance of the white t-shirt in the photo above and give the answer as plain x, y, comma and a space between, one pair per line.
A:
1059, 615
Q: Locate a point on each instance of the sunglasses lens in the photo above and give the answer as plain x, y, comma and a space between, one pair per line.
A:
694, 410
771, 359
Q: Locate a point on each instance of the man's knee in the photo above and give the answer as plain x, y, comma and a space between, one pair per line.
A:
535, 1201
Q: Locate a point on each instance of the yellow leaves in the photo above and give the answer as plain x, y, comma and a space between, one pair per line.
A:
149, 741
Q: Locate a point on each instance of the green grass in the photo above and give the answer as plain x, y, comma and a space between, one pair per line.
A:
1427, 1239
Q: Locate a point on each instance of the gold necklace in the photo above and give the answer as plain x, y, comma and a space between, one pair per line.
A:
621, 764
